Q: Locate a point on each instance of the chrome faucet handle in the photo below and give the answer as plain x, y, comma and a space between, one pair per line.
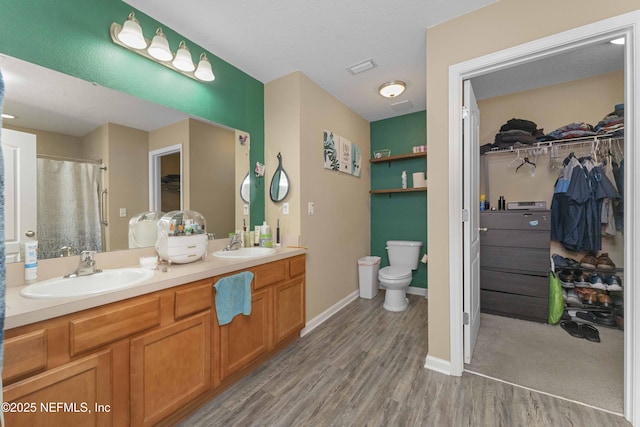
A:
87, 256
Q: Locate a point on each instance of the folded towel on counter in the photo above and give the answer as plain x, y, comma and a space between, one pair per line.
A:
233, 296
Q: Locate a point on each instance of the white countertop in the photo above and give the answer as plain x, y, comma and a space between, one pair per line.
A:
23, 311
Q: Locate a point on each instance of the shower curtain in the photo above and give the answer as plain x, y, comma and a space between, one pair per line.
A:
68, 207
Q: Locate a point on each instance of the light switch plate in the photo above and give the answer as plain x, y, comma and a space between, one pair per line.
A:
310, 208
123, 212
285, 209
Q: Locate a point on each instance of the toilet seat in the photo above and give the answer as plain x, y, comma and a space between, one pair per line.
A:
394, 273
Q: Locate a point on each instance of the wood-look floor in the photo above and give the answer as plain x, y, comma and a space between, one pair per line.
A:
365, 367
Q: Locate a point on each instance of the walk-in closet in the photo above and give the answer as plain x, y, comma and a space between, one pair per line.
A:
552, 226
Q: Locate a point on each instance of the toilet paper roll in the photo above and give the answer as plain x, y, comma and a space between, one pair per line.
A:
419, 180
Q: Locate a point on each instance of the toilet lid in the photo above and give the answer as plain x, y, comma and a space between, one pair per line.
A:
394, 273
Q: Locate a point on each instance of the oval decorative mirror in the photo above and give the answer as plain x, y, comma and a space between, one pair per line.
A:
279, 183
245, 188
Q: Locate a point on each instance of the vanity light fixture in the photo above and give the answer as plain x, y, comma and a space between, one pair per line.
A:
159, 47
130, 36
392, 89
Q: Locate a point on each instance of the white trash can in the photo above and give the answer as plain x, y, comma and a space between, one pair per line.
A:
368, 276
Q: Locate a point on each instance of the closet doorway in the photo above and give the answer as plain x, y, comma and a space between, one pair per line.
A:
622, 26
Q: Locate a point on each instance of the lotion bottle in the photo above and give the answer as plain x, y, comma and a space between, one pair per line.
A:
30, 261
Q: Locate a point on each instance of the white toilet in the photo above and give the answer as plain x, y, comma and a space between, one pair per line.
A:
404, 256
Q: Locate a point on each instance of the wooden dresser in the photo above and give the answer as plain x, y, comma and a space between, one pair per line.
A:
514, 263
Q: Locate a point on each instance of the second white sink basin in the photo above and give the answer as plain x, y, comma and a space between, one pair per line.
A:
254, 252
107, 280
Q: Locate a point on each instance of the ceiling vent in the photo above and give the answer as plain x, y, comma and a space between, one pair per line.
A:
402, 105
362, 66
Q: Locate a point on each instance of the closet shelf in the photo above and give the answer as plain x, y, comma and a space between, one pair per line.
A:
557, 142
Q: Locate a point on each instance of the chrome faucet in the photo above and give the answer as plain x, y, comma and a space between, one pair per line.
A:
86, 266
236, 243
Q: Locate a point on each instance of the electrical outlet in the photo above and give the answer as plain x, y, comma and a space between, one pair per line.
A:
123, 212
310, 208
285, 209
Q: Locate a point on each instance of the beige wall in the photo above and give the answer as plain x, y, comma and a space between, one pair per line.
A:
128, 173
501, 25
297, 111
212, 176
177, 133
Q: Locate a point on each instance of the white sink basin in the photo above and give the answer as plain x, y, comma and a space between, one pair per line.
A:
107, 280
254, 252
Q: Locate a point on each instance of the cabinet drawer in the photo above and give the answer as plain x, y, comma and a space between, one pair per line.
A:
297, 266
517, 260
24, 354
269, 274
516, 220
193, 300
521, 284
511, 305
112, 323
518, 239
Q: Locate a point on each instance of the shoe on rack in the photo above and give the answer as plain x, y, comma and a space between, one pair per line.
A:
572, 263
604, 262
613, 283
579, 279
573, 299
589, 261
587, 295
566, 278
559, 261
595, 279
604, 300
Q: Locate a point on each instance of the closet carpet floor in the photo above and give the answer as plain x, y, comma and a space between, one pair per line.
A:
365, 367
546, 358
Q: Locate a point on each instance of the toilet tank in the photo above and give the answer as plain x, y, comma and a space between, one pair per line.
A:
404, 253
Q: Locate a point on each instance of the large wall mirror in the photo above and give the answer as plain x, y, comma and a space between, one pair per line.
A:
78, 163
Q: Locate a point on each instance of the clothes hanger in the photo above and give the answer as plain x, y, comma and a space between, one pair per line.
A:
518, 159
527, 161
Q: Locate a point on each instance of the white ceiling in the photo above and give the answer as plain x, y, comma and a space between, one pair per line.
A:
270, 39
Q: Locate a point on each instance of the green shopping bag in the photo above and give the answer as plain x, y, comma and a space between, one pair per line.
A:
556, 303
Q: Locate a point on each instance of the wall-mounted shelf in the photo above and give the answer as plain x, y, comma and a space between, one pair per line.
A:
398, 190
398, 157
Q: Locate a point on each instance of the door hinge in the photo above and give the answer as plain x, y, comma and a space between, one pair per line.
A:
465, 318
465, 215
465, 112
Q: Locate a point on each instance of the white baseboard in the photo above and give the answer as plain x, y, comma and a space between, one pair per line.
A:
438, 365
418, 291
325, 315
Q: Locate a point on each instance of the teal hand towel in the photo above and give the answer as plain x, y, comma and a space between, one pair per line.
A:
233, 296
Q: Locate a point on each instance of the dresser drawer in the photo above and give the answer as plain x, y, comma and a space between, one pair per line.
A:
517, 260
517, 306
516, 238
516, 220
24, 354
112, 323
522, 284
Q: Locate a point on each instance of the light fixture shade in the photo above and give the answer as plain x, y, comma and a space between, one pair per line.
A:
204, 71
183, 61
131, 33
392, 89
159, 47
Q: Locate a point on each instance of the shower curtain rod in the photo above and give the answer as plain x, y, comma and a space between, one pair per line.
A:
72, 159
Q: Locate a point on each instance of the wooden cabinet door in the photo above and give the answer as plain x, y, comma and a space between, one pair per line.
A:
289, 309
246, 337
75, 394
169, 368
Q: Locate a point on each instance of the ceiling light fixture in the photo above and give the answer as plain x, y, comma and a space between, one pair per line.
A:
618, 41
392, 89
130, 36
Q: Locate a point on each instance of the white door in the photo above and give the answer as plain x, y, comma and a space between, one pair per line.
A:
20, 208
471, 198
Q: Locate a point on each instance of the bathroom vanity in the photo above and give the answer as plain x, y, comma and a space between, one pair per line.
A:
150, 358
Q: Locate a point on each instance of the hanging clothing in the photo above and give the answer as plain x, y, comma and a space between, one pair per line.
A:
577, 205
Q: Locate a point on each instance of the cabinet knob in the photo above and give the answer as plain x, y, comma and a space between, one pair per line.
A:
483, 229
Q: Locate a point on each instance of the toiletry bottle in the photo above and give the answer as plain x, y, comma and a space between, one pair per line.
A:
30, 261
404, 179
483, 202
256, 236
278, 233
265, 235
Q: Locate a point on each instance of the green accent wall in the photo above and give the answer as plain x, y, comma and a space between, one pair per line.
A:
399, 216
72, 36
